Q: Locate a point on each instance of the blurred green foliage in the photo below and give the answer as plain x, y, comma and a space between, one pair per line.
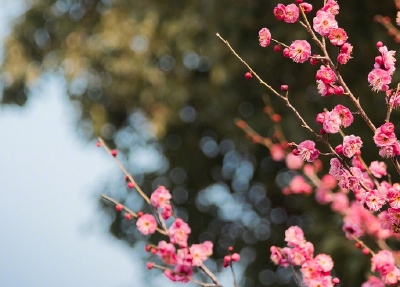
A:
164, 58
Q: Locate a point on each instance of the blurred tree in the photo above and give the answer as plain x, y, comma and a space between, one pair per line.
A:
163, 57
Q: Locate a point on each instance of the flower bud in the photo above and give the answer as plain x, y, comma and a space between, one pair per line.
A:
295, 152
128, 216
339, 149
286, 52
114, 153
149, 265
379, 44
227, 258
248, 76
299, 1
131, 185
276, 118
320, 118
339, 91
284, 87
235, 257
322, 132
387, 128
278, 48
119, 207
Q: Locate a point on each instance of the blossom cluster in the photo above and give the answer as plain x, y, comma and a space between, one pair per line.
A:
315, 270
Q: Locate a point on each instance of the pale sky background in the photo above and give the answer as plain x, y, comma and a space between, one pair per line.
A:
51, 232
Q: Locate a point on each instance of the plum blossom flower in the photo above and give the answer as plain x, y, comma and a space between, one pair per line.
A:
331, 7
167, 252
383, 262
292, 13
373, 282
394, 215
198, 253
324, 262
178, 232
338, 36
386, 61
160, 197
277, 152
146, 224
307, 151
332, 122
374, 200
294, 236
264, 37
280, 11
352, 229
391, 277
394, 198
324, 22
345, 115
324, 89
383, 139
293, 162
326, 75
379, 79
300, 51
306, 7
335, 167
176, 275
378, 169
351, 145
390, 151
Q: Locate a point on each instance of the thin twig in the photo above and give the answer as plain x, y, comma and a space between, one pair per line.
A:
125, 171
296, 276
363, 244
128, 210
233, 274
209, 274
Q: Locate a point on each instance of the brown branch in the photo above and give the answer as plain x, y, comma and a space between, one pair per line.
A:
125, 171
363, 245
233, 274
128, 210
209, 274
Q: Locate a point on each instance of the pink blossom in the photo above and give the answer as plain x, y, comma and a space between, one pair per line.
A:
355, 161
378, 169
373, 282
324, 22
332, 122
320, 118
293, 162
297, 256
264, 37
326, 74
306, 7
178, 232
387, 60
324, 262
292, 13
382, 139
160, 197
300, 51
394, 198
345, 115
351, 145
198, 253
390, 151
276, 256
329, 181
394, 215
323, 195
167, 252
391, 277
392, 99
379, 80
374, 200
384, 219
352, 229
146, 224
338, 36
324, 89
331, 7
208, 247
280, 11
343, 58
307, 151
335, 167
294, 236
354, 179
340, 202
383, 262
298, 185
176, 275
310, 269
184, 257
277, 152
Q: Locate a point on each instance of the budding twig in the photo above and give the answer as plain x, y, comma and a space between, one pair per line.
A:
363, 244
128, 210
233, 274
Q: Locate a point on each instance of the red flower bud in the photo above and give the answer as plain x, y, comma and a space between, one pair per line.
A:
235, 257
248, 75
